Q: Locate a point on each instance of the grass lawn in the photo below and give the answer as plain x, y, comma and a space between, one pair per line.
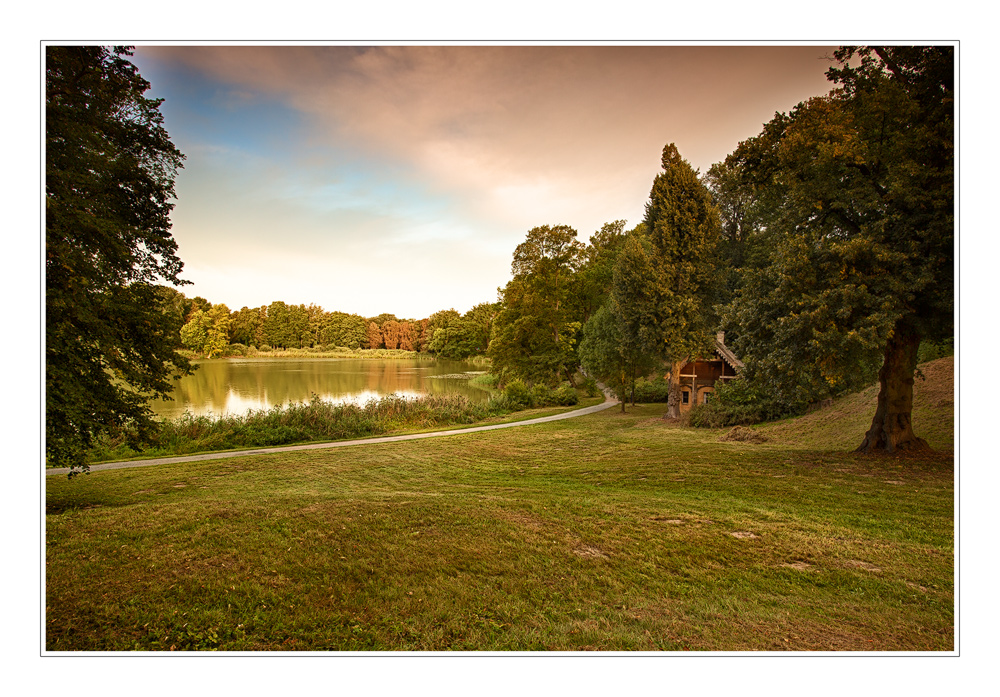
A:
605, 532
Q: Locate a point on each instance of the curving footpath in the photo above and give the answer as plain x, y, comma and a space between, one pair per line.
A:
609, 401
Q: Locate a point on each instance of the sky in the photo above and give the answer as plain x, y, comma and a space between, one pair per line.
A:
401, 178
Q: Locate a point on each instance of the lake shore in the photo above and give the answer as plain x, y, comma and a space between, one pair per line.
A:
320, 352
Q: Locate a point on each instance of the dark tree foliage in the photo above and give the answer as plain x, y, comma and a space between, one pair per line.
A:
861, 265
110, 335
593, 280
620, 343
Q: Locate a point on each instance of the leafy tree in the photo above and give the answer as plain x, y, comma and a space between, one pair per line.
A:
594, 277
535, 332
243, 326
298, 327
442, 319
110, 338
466, 335
207, 332
374, 336
863, 268
600, 352
217, 336
634, 302
199, 303
174, 304
620, 341
342, 329
194, 334
683, 226
477, 326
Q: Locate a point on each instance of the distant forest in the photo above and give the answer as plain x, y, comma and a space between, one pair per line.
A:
215, 330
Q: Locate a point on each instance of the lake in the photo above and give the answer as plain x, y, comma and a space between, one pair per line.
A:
235, 385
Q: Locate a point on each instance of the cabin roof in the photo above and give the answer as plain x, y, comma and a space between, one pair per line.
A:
727, 355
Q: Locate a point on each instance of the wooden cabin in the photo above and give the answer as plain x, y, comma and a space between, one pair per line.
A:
699, 376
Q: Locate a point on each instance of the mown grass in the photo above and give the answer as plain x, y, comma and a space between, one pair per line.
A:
606, 532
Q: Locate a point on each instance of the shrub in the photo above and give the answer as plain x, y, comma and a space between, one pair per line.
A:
517, 394
541, 395
655, 390
929, 350
590, 387
565, 395
740, 403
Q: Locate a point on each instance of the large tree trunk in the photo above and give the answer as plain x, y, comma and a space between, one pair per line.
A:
891, 429
674, 396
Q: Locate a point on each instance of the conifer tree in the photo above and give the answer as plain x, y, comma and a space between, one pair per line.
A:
683, 226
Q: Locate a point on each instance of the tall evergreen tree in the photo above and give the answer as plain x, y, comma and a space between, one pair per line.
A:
683, 226
109, 184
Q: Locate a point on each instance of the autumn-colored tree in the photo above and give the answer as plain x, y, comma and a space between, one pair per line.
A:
391, 333
374, 336
406, 335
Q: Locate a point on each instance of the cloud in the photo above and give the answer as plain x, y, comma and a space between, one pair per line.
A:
401, 167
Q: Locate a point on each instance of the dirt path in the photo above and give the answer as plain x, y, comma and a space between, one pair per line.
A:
609, 401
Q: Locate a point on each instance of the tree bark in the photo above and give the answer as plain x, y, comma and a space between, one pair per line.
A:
892, 428
673, 398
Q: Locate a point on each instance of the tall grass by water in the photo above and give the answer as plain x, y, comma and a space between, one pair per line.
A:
315, 420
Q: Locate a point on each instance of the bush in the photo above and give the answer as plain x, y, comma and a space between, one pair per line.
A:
649, 391
518, 394
590, 387
929, 350
541, 395
565, 396
739, 403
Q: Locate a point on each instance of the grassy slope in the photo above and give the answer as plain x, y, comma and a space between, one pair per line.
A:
843, 425
610, 531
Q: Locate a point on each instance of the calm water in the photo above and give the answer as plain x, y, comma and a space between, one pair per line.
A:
235, 385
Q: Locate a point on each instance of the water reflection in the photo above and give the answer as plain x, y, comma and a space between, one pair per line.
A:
234, 386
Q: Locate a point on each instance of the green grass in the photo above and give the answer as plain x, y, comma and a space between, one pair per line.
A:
605, 532
843, 425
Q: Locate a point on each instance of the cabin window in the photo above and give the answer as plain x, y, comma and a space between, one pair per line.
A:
704, 397
685, 397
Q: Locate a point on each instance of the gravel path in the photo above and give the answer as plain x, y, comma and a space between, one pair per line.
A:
609, 401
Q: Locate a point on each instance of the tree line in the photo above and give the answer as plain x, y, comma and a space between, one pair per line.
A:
824, 247
215, 330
